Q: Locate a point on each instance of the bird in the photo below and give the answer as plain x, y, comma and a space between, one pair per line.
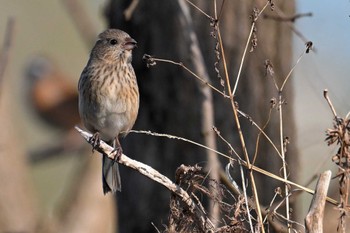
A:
109, 98
50, 93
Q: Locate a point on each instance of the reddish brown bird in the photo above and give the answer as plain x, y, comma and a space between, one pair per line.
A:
109, 97
52, 96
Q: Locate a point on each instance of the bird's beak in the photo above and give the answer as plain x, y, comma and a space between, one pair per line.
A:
129, 43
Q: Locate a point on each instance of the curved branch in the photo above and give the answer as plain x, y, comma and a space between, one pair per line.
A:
153, 174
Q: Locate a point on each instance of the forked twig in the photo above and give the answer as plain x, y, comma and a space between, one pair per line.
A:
246, 48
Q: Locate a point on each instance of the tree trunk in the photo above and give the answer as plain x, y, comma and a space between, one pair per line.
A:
171, 101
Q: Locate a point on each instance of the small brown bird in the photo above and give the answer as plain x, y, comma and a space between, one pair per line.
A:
109, 97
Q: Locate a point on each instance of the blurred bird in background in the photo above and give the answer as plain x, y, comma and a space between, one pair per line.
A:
54, 99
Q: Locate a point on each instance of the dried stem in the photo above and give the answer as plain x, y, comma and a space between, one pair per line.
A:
284, 163
291, 71
246, 49
246, 196
252, 167
325, 94
191, 72
292, 18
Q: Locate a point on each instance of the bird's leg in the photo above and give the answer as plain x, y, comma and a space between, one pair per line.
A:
95, 141
117, 149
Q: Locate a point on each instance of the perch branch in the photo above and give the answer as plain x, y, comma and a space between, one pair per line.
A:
314, 218
153, 174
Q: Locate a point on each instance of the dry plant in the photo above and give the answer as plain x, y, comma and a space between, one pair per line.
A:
340, 135
232, 209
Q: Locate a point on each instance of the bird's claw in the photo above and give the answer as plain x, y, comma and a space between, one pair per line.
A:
118, 152
95, 141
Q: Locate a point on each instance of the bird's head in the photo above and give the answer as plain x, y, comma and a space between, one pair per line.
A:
114, 45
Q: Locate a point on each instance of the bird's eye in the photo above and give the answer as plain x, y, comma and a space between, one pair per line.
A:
113, 42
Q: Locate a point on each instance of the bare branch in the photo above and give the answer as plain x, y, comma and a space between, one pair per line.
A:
130, 10
292, 18
154, 175
325, 94
314, 218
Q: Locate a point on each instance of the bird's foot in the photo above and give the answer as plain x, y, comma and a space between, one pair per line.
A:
95, 141
118, 151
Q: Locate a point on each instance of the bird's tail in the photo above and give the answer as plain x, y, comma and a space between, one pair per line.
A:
110, 175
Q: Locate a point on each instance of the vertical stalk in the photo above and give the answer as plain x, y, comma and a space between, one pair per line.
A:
284, 167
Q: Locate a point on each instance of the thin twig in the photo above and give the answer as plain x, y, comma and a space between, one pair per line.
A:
226, 142
128, 12
292, 18
252, 167
243, 57
191, 72
280, 13
246, 48
246, 197
270, 205
260, 130
181, 139
284, 163
325, 94
291, 71
259, 135
199, 9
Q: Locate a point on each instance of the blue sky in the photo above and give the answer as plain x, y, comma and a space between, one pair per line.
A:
327, 67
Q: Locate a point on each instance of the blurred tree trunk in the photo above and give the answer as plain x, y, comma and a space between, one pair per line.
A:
170, 99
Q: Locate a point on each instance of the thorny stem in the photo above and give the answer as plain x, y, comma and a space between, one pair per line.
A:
192, 73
